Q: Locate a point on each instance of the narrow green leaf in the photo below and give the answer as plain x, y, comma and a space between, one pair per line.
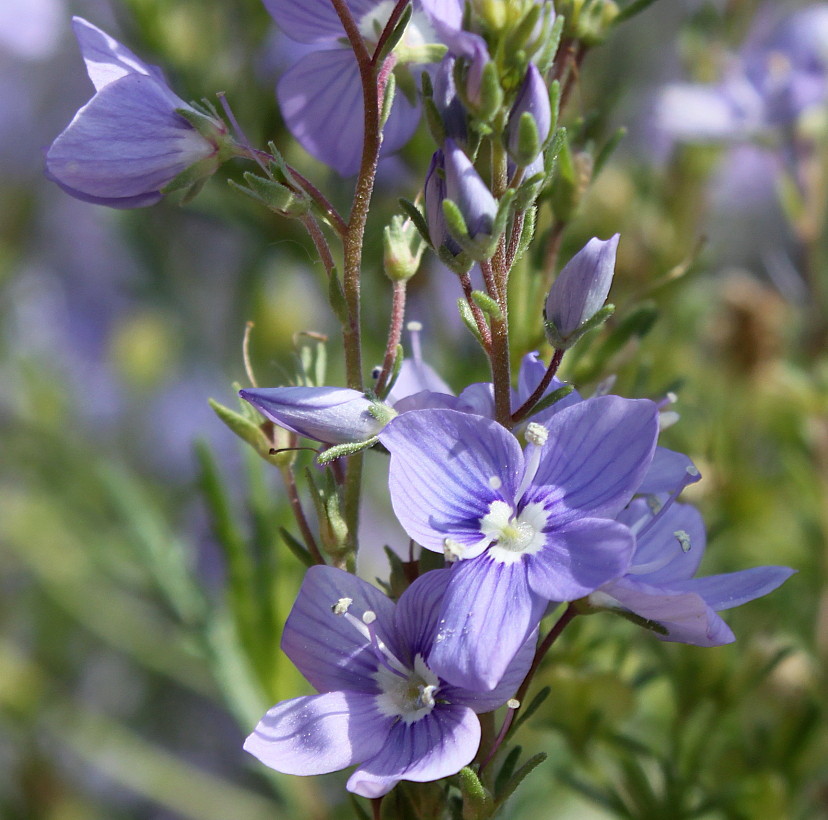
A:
296, 547
519, 776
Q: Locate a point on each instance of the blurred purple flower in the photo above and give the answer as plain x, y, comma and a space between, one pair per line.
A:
525, 528
384, 704
659, 585
780, 73
321, 95
128, 142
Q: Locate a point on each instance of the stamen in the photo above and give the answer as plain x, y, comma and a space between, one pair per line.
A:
536, 436
414, 329
427, 695
368, 617
495, 483
453, 550
683, 537
513, 703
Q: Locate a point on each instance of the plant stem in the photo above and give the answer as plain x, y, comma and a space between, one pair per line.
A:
389, 28
319, 242
299, 515
499, 351
538, 392
479, 318
394, 335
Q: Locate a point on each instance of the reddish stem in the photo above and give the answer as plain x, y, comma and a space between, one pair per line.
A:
541, 388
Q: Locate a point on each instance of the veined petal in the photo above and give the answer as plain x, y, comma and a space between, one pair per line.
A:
579, 558
489, 612
735, 588
437, 746
127, 141
321, 102
333, 415
417, 615
108, 60
446, 469
330, 650
597, 453
319, 733
512, 678
685, 616
315, 21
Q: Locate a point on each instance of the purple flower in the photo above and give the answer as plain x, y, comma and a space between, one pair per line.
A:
332, 415
448, 104
525, 528
321, 96
659, 584
581, 288
532, 101
384, 706
434, 192
779, 74
130, 140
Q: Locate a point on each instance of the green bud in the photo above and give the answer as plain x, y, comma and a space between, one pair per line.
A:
403, 248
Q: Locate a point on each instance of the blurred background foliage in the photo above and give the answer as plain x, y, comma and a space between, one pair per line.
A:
143, 580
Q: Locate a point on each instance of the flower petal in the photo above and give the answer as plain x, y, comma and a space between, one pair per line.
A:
321, 102
668, 471
446, 469
436, 746
333, 415
330, 650
108, 60
317, 734
579, 558
488, 613
736, 588
315, 21
417, 615
597, 454
686, 616
127, 141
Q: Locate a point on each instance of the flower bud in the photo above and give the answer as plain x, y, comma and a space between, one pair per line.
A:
580, 290
469, 192
434, 192
402, 249
530, 119
135, 137
448, 103
331, 415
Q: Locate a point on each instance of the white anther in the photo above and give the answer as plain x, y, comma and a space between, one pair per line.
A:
671, 397
495, 483
341, 606
427, 695
453, 550
368, 617
536, 434
683, 537
513, 703
692, 470
414, 327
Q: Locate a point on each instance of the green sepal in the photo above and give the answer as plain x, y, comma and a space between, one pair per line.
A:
429, 559
213, 130
550, 40
388, 99
434, 121
482, 246
527, 231
296, 547
477, 800
336, 297
396, 35
398, 578
518, 38
636, 7
506, 771
528, 142
488, 305
459, 263
468, 320
250, 432
347, 449
195, 174
559, 343
416, 216
333, 529
491, 94
519, 776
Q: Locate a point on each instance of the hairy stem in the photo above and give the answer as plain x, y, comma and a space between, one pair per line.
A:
394, 335
538, 392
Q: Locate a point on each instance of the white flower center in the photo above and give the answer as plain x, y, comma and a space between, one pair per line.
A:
514, 536
411, 696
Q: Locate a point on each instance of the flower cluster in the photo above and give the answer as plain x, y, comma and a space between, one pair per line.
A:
529, 495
